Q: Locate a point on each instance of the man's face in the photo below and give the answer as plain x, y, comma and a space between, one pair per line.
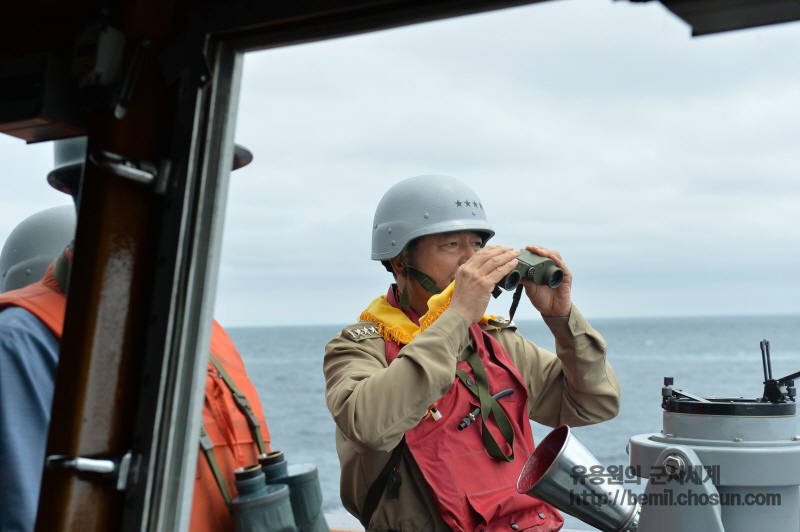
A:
440, 255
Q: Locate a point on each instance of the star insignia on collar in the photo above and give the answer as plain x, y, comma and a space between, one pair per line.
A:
458, 203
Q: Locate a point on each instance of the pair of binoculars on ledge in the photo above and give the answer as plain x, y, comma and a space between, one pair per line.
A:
540, 270
274, 496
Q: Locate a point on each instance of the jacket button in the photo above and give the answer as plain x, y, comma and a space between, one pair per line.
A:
541, 515
514, 526
469, 382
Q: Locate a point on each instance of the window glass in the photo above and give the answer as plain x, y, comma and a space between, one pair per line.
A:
662, 167
25, 188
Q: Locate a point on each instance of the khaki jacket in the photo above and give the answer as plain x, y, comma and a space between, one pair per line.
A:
374, 404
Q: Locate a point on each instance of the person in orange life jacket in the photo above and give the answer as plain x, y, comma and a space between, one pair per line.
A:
424, 356
31, 317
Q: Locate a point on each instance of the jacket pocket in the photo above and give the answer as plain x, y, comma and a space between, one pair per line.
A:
489, 496
505, 510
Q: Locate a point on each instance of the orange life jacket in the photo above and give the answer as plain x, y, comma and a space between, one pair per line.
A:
473, 491
230, 433
223, 421
44, 299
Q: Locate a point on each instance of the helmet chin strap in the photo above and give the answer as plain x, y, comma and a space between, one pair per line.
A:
424, 280
429, 284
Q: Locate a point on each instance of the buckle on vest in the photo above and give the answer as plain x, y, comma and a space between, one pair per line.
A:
247, 410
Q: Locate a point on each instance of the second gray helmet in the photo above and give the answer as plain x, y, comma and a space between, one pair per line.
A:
425, 205
70, 154
33, 244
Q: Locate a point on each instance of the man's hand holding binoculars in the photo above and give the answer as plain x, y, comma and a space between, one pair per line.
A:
550, 301
477, 277
547, 284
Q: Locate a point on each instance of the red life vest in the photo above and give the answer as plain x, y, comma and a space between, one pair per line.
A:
223, 421
473, 491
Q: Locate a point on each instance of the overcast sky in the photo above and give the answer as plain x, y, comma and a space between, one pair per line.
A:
663, 167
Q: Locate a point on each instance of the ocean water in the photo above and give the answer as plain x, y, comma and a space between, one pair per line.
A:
709, 356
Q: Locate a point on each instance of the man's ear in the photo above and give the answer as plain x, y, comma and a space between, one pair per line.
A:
398, 266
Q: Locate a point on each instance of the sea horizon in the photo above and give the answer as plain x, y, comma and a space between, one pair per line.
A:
534, 320
710, 356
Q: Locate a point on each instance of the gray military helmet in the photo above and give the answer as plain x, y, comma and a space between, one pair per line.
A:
425, 205
69, 155
33, 245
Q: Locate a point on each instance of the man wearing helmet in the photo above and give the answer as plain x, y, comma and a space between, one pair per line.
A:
405, 384
32, 305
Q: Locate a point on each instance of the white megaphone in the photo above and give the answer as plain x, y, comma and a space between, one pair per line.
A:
550, 475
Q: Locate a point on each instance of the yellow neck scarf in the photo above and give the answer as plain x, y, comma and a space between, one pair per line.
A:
394, 325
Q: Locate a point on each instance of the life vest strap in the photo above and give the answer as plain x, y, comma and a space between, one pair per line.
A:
244, 405
489, 405
208, 450
375, 491
246, 408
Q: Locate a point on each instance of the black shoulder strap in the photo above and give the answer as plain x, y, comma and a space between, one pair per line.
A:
376, 490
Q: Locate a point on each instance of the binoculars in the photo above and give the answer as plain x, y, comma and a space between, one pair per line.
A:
540, 270
277, 497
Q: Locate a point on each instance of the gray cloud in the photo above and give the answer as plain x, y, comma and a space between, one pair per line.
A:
662, 167
600, 129
24, 178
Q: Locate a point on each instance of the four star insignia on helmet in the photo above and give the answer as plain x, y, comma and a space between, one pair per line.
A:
360, 333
